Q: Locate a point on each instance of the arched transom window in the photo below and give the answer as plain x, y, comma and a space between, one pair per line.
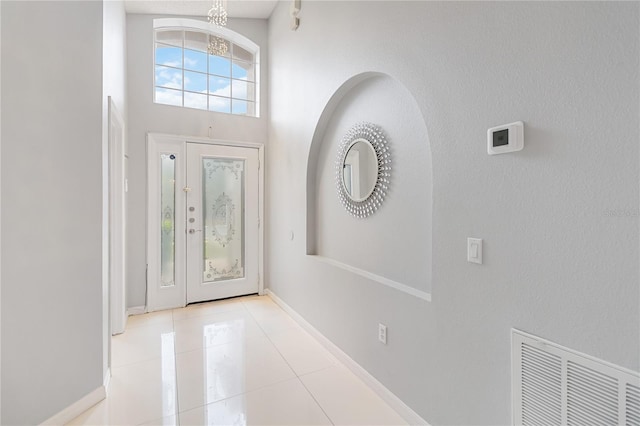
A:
187, 75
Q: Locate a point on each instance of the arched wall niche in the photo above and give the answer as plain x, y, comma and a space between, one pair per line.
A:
393, 246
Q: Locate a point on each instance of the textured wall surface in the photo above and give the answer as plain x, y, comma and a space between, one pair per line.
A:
52, 283
558, 262
401, 236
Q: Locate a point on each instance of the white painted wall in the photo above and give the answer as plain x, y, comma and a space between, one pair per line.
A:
557, 263
114, 54
52, 340
145, 116
114, 84
401, 236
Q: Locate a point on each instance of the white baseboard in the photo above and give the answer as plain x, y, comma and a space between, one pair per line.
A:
107, 381
80, 406
136, 310
394, 402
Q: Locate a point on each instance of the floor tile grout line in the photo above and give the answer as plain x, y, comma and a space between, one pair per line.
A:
266, 335
178, 411
297, 375
255, 317
241, 393
316, 401
276, 347
282, 355
256, 320
233, 341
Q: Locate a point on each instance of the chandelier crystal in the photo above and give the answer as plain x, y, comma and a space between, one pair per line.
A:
218, 17
217, 46
218, 13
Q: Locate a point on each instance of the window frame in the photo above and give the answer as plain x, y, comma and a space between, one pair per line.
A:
191, 25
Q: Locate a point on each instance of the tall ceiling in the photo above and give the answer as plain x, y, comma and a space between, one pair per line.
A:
260, 9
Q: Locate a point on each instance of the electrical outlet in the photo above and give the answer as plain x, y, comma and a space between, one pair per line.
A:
382, 333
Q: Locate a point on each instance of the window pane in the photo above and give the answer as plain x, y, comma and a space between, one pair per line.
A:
219, 66
243, 90
196, 41
195, 100
171, 37
239, 107
244, 71
243, 107
187, 75
195, 82
242, 54
219, 86
168, 77
167, 222
168, 55
219, 104
222, 217
168, 96
196, 61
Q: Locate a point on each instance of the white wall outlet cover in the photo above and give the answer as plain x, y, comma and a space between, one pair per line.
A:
505, 138
474, 250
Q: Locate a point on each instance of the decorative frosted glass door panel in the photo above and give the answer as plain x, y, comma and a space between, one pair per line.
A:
167, 221
222, 222
203, 236
222, 207
166, 178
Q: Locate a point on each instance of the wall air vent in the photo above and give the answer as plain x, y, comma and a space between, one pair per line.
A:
553, 385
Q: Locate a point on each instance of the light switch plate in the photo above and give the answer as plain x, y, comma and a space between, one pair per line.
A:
382, 333
474, 250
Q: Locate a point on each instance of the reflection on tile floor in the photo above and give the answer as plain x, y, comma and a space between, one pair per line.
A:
237, 362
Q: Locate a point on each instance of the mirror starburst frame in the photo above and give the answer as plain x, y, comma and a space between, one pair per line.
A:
376, 137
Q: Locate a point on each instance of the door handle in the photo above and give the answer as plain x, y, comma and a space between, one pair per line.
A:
193, 231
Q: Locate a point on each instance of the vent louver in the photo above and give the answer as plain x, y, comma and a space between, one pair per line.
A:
633, 405
592, 397
553, 385
541, 387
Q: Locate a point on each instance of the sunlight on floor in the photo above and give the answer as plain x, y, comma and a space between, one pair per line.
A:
239, 362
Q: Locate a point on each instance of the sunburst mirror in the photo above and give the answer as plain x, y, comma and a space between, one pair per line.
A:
363, 169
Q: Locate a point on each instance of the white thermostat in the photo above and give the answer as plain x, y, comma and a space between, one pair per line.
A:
506, 138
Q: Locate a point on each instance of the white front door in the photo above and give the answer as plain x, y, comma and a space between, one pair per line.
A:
203, 237
222, 222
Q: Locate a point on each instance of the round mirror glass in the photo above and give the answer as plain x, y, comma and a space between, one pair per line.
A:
360, 170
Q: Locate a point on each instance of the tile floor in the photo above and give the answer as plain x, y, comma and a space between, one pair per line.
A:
241, 361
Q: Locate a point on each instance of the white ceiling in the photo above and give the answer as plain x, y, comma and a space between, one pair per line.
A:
260, 9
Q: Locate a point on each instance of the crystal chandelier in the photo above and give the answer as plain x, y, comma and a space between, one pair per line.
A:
217, 46
218, 13
218, 17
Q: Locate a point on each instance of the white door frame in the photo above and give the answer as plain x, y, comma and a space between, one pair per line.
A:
180, 141
117, 220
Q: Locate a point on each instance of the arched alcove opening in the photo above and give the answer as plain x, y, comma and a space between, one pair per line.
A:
392, 246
